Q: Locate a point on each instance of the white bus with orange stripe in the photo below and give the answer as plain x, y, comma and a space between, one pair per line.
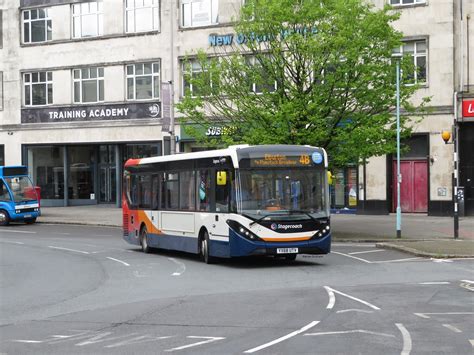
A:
240, 201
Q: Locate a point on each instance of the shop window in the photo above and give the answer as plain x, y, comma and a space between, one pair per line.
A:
46, 168
87, 18
138, 151
142, 15
88, 85
38, 88
81, 172
195, 13
143, 81
37, 26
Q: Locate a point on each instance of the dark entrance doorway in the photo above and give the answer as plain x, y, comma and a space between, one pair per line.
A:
466, 165
107, 174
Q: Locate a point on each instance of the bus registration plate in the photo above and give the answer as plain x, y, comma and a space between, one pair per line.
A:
287, 250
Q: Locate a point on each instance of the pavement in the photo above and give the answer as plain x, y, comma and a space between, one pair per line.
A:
422, 235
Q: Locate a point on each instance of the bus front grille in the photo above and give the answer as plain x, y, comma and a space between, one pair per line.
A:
125, 224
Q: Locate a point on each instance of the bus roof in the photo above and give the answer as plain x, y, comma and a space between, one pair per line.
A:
234, 151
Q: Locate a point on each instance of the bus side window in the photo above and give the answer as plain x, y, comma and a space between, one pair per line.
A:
222, 192
186, 190
4, 195
203, 190
155, 191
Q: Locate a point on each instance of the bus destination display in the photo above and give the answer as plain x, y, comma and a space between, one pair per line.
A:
272, 160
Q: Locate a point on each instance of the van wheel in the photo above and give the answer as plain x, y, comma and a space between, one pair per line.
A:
204, 249
144, 240
30, 220
4, 218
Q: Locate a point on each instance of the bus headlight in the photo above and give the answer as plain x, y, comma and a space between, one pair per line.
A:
322, 232
241, 230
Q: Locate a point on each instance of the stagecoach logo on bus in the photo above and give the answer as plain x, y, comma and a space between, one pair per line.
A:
91, 113
276, 226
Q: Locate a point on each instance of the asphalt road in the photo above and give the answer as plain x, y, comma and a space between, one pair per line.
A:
83, 290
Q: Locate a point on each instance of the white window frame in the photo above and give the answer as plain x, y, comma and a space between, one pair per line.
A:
398, 3
191, 67
1, 90
80, 11
415, 55
28, 82
48, 34
252, 60
213, 13
79, 79
132, 75
131, 7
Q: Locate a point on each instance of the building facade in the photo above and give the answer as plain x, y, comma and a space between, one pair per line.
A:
87, 84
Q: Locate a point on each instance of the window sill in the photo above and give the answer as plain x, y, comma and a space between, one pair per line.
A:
87, 39
405, 6
215, 25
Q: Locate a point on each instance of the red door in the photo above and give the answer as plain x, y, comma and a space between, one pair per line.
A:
414, 186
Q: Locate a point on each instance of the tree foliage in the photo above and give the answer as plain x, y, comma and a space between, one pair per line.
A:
315, 72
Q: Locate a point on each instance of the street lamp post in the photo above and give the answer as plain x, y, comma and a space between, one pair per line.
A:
397, 57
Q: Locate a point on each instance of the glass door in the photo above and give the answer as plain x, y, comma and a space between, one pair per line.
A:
107, 174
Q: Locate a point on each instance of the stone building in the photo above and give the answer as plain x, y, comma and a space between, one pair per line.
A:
84, 85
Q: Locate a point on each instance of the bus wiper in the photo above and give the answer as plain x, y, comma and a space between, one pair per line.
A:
265, 216
303, 212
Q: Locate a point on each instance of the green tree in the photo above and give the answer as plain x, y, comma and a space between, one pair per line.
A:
315, 72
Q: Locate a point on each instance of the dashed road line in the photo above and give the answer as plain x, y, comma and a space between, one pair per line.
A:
10, 242
283, 338
12, 231
332, 298
181, 267
354, 310
67, 249
119, 261
208, 340
427, 315
452, 327
367, 251
350, 332
407, 344
435, 283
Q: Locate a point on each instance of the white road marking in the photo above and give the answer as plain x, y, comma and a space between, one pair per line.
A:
276, 341
427, 315
367, 251
332, 298
350, 332
396, 260
353, 257
137, 340
9, 242
12, 231
59, 233
452, 327
329, 290
28, 341
471, 282
435, 283
209, 340
67, 249
467, 285
441, 260
472, 342
101, 337
354, 310
406, 339
181, 267
117, 260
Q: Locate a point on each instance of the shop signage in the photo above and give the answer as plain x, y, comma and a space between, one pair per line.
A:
91, 113
468, 108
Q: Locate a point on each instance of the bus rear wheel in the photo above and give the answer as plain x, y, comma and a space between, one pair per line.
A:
4, 218
204, 249
144, 240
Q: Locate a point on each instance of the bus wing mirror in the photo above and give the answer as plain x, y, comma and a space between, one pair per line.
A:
221, 178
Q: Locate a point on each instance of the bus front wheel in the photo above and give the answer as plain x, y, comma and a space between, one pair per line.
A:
204, 249
4, 218
144, 240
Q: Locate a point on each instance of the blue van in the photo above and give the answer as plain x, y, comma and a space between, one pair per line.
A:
18, 198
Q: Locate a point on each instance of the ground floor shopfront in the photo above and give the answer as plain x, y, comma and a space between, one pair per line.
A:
82, 174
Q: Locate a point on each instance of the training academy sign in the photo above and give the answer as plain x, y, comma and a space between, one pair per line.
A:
91, 113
